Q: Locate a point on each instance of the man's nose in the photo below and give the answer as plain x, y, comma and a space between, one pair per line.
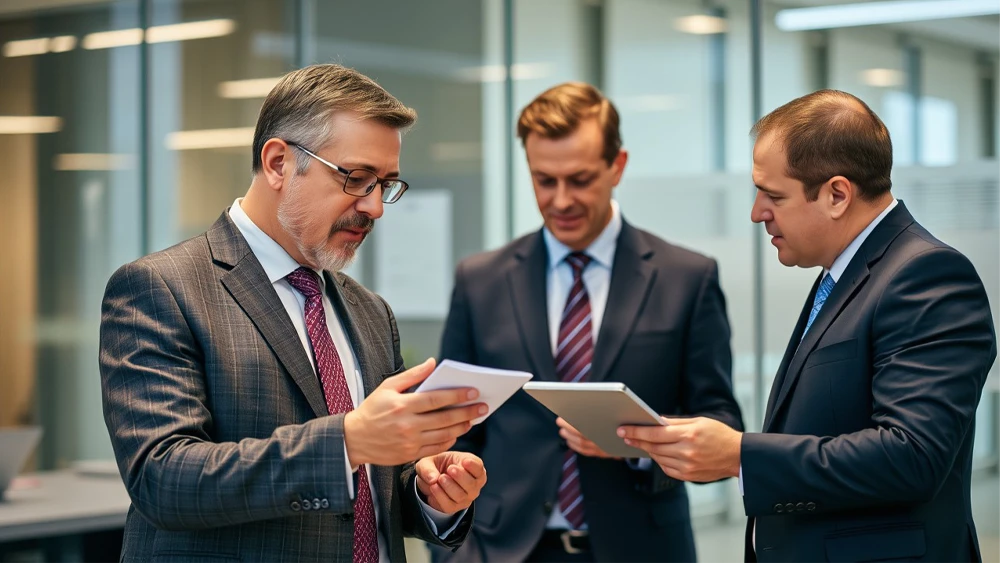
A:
371, 204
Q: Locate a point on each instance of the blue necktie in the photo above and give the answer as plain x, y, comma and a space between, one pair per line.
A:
825, 287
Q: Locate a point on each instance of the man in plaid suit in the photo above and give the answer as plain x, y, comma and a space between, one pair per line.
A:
254, 394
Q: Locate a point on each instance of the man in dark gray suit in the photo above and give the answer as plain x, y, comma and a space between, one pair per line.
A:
588, 297
866, 453
255, 394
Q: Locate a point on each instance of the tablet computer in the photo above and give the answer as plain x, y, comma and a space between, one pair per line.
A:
597, 409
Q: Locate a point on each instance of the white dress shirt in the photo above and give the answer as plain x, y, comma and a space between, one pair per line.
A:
835, 271
597, 280
277, 264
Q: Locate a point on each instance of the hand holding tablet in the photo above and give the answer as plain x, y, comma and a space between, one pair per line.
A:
596, 410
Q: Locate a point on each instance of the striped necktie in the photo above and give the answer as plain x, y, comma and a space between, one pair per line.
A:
338, 400
573, 357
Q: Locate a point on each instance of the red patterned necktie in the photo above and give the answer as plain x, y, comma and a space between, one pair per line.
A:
338, 400
574, 354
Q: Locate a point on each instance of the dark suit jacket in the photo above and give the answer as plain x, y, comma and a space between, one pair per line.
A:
867, 450
664, 333
218, 420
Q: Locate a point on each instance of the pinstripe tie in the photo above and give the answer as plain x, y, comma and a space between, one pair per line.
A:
574, 354
338, 400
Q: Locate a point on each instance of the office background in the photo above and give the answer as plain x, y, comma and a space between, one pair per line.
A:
125, 127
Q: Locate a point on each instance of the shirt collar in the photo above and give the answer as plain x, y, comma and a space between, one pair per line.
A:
277, 263
602, 250
840, 264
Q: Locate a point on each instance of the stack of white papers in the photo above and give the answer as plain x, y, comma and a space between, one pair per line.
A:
495, 386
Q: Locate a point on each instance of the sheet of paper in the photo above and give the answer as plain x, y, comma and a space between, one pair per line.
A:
495, 385
413, 261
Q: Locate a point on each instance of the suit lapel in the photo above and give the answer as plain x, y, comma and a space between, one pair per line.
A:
853, 279
250, 287
631, 280
789, 352
527, 282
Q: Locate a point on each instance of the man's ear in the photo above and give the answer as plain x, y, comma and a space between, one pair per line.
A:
841, 193
277, 162
619, 166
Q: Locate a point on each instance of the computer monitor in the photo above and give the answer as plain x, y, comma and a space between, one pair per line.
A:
16, 444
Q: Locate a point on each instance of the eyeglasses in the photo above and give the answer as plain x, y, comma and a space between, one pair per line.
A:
360, 182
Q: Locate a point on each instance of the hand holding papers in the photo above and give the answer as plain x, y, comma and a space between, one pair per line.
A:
495, 385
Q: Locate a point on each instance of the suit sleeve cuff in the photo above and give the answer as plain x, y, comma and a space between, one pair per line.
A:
437, 520
639, 463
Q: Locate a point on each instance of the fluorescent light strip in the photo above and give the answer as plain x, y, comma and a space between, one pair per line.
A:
26, 47
251, 88
190, 30
159, 34
701, 25
39, 46
92, 161
109, 39
28, 124
62, 43
876, 13
882, 77
210, 139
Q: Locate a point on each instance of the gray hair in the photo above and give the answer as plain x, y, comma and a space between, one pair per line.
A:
299, 108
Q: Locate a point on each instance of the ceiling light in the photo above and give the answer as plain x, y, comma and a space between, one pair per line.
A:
92, 161
109, 39
882, 77
875, 13
26, 47
701, 25
497, 73
62, 43
28, 124
252, 88
210, 139
190, 30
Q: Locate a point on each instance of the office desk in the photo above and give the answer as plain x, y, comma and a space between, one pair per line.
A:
65, 509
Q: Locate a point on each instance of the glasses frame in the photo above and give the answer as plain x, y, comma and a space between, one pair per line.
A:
347, 176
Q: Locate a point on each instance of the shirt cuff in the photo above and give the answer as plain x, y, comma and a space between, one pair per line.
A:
350, 473
741, 480
639, 463
436, 519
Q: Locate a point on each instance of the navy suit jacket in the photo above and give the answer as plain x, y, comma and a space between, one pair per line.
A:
866, 452
664, 333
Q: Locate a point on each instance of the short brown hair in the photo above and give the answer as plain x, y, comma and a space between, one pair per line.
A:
299, 107
831, 133
558, 111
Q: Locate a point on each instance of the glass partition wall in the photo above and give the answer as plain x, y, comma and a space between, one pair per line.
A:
125, 127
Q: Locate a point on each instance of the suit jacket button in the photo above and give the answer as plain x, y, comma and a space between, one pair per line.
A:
324, 503
810, 506
779, 508
789, 507
547, 507
799, 507
296, 506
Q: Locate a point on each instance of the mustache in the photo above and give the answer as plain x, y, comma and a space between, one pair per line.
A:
356, 221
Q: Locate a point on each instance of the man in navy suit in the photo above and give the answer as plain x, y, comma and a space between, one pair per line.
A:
586, 298
866, 452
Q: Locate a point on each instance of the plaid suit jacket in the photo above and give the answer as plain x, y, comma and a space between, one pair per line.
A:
218, 421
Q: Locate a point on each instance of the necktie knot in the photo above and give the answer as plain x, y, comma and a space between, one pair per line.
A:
822, 292
578, 261
305, 281
825, 287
